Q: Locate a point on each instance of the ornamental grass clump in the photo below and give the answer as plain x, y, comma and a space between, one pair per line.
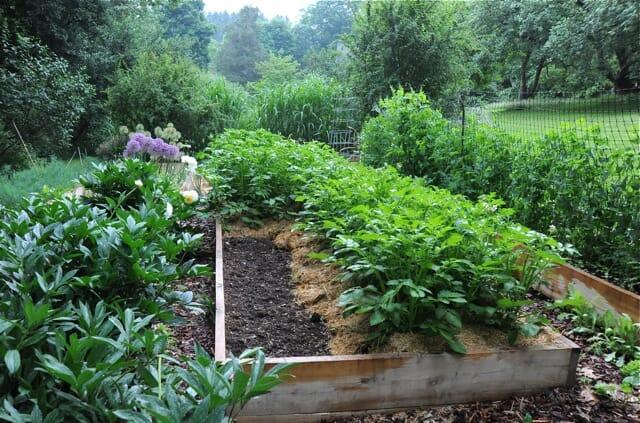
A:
414, 257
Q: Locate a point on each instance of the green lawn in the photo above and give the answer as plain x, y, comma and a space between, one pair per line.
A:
617, 116
56, 174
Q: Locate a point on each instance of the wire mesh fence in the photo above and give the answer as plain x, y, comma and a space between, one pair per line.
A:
602, 116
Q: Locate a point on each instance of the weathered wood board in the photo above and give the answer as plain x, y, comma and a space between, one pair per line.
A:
220, 342
602, 294
349, 384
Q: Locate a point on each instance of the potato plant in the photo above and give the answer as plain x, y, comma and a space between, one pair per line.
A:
414, 257
86, 284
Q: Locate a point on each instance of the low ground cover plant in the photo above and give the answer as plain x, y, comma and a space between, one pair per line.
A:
54, 175
86, 286
414, 257
617, 337
575, 188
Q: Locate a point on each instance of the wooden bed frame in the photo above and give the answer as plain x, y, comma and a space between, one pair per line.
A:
326, 387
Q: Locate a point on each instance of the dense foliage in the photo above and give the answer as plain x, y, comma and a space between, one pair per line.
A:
86, 288
574, 187
40, 96
304, 110
404, 134
161, 89
185, 21
414, 44
416, 258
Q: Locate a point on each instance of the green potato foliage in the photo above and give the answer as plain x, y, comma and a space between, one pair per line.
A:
414, 257
575, 187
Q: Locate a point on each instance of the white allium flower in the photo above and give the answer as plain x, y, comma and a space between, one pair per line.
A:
138, 183
189, 196
552, 229
191, 163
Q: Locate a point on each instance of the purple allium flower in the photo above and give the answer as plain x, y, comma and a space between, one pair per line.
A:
154, 147
133, 146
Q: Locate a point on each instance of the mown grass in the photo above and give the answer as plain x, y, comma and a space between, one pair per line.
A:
617, 116
55, 175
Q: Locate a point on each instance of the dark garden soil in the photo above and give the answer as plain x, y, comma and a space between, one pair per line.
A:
196, 328
576, 404
260, 307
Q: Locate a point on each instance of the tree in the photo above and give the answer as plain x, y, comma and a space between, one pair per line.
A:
413, 44
40, 96
601, 35
277, 36
185, 20
220, 20
241, 48
324, 22
276, 70
518, 31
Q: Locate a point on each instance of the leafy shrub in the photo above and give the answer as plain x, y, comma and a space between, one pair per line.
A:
418, 258
40, 94
85, 287
160, 89
304, 109
405, 134
631, 373
574, 187
125, 184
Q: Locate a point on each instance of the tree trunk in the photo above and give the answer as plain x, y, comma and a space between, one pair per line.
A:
536, 79
523, 76
621, 79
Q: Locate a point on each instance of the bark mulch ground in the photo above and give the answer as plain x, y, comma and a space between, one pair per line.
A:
196, 328
260, 308
576, 404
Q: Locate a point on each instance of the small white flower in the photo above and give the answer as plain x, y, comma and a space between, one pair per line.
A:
169, 212
138, 183
191, 163
190, 196
552, 229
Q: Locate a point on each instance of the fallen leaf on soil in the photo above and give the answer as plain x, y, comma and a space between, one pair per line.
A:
586, 395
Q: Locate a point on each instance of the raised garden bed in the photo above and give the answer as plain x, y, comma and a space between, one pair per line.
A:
329, 386
603, 295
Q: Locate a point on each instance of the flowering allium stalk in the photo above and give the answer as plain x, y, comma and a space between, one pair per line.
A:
154, 147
